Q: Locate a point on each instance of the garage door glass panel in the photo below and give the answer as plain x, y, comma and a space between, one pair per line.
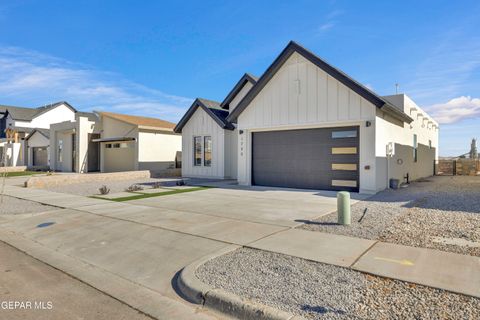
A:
344, 134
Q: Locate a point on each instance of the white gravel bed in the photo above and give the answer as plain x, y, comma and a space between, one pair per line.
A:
439, 212
320, 291
91, 188
11, 205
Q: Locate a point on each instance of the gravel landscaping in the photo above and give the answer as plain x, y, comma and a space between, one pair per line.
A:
320, 291
439, 212
11, 205
91, 188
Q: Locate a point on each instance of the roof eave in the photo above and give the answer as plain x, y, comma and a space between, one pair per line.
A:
198, 103
394, 112
236, 89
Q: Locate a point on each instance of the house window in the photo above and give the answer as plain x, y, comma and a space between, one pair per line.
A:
116, 145
415, 148
207, 151
197, 151
108, 146
344, 134
60, 151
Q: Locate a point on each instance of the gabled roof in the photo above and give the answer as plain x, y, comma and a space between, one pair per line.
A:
28, 114
236, 89
139, 121
332, 71
43, 132
212, 108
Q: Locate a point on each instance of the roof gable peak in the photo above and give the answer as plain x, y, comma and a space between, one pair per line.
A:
339, 75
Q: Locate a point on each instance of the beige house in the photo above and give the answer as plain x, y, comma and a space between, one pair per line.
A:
112, 142
137, 143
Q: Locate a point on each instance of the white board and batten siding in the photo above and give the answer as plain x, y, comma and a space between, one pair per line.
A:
301, 96
201, 124
240, 95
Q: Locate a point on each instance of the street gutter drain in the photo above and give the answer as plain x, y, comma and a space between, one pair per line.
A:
45, 224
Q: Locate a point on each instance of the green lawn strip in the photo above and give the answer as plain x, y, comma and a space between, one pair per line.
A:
21, 173
151, 195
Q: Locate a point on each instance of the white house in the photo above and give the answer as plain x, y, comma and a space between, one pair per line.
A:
71, 144
306, 124
23, 122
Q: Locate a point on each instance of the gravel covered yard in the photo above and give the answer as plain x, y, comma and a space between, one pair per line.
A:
91, 188
320, 291
11, 205
439, 212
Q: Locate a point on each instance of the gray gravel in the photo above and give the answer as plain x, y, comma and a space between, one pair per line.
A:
320, 291
91, 188
11, 205
439, 212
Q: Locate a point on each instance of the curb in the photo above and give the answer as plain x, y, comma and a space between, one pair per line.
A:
220, 300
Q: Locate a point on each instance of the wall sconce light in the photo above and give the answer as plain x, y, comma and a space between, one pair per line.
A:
240, 131
368, 124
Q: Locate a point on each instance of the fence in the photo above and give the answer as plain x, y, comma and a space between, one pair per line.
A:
459, 167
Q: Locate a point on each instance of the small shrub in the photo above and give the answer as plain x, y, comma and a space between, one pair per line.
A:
156, 185
49, 173
134, 187
180, 183
104, 190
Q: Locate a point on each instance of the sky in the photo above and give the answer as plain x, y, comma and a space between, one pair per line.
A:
154, 58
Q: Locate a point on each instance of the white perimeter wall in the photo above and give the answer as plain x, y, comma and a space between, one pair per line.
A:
301, 95
201, 124
157, 149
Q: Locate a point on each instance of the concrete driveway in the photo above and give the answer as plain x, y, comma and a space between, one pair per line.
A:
133, 251
276, 206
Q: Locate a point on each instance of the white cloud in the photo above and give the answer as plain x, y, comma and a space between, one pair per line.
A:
326, 26
457, 109
31, 78
330, 21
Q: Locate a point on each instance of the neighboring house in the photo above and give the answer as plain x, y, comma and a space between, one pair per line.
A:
72, 148
306, 124
136, 143
25, 121
38, 142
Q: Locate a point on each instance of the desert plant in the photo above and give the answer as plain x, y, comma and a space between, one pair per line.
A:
49, 173
104, 190
134, 187
157, 185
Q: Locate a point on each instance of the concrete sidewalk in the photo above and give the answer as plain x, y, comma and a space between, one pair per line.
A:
438, 269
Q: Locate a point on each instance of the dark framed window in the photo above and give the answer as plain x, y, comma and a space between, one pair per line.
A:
415, 148
197, 151
207, 151
344, 134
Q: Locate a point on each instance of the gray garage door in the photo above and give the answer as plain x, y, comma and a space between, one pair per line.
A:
40, 156
324, 159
